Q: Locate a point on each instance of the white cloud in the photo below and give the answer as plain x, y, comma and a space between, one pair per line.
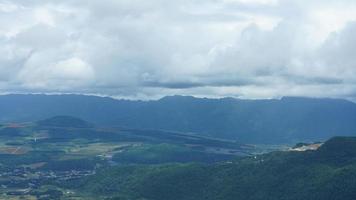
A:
65, 74
44, 16
251, 49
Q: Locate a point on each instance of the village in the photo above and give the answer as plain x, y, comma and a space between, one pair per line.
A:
22, 181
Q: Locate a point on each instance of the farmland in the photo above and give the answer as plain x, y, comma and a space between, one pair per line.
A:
38, 160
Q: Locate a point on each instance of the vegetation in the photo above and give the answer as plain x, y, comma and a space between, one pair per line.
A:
49, 159
55, 159
166, 153
320, 174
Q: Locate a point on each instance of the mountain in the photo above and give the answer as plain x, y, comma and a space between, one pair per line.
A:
65, 121
309, 175
288, 120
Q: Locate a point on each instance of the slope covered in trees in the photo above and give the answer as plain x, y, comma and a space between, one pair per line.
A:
328, 173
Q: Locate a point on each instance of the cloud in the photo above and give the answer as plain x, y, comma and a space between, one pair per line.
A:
69, 74
140, 49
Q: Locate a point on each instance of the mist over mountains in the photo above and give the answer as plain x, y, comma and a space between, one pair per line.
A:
288, 120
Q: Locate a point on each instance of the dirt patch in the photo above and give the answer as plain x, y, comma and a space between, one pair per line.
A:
13, 150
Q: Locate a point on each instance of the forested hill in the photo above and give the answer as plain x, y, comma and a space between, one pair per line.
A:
328, 173
288, 120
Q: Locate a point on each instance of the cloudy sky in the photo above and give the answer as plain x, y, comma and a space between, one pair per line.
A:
150, 48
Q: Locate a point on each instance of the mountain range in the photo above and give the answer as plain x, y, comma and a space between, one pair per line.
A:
285, 120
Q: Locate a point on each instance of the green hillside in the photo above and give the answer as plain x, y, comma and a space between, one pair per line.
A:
56, 160
314, 175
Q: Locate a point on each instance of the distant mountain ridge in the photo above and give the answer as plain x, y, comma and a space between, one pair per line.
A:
288, 120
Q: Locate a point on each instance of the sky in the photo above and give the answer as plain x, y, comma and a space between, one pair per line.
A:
146, 49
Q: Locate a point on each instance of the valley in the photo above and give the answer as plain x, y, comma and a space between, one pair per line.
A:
155, 151
56, 159
177, 100
38, 158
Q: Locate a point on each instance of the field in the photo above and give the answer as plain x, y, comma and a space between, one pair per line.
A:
39, 160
